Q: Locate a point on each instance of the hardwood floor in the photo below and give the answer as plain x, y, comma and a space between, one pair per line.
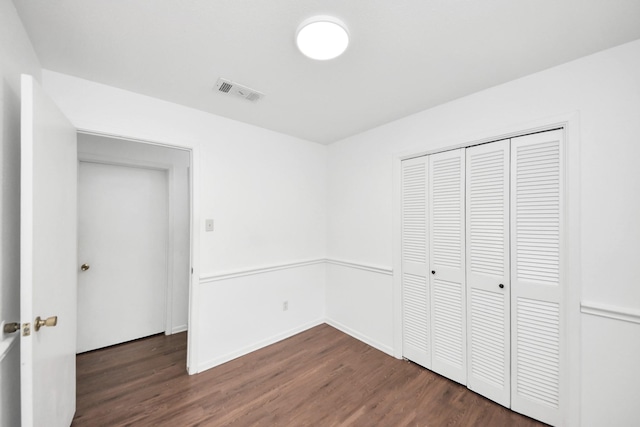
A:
320, 377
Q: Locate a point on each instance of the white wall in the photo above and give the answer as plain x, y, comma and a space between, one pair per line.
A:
267, 194
16, 56
605, 91
121, 150
358, 303
245, 312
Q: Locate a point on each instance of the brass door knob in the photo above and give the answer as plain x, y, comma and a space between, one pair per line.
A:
85, 267
49, 322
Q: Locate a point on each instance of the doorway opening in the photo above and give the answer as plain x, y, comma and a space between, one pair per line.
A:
134, 240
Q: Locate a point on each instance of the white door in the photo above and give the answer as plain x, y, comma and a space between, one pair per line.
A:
488, 297
537, 321
47, 261
416, 337
447, 263
122, 239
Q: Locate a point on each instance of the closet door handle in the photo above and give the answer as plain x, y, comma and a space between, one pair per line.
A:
433, 272
501, 286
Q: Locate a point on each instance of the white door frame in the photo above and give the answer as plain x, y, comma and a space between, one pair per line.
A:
194, 203
168, 170
570, 122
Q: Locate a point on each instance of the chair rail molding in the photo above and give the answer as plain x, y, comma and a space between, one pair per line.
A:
360, 266
232, 274
610, 311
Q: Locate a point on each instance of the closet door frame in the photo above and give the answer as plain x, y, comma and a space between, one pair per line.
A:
570, 241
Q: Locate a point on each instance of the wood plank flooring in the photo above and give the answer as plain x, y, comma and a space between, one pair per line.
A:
320, 377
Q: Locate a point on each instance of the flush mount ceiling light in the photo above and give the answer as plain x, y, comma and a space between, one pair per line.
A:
322, 37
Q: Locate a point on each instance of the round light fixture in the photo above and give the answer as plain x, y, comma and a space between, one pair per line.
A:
322, 37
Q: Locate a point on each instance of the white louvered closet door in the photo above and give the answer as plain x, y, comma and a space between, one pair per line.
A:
447, 264
488, 297
537, 325
415, 284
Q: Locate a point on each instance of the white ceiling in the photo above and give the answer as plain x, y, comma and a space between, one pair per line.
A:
405, 55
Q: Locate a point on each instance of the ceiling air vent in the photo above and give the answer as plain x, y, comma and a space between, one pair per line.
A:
238, 90
225, 87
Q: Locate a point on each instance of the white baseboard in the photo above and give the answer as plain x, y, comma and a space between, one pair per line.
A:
178, 329
279, 337
256, 346
357, 335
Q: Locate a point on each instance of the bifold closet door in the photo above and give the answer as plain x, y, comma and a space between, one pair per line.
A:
447, 264
415, 284
537, 325
488, 296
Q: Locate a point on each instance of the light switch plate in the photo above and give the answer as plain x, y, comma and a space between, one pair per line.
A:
208, 225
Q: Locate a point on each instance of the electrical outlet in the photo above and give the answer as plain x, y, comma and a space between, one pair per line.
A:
285, 306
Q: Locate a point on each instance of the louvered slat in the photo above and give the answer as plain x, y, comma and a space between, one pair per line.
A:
538, 210
487, 335
537, 354
416, 312
414, 219
487, 206
447, 323
447, 204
